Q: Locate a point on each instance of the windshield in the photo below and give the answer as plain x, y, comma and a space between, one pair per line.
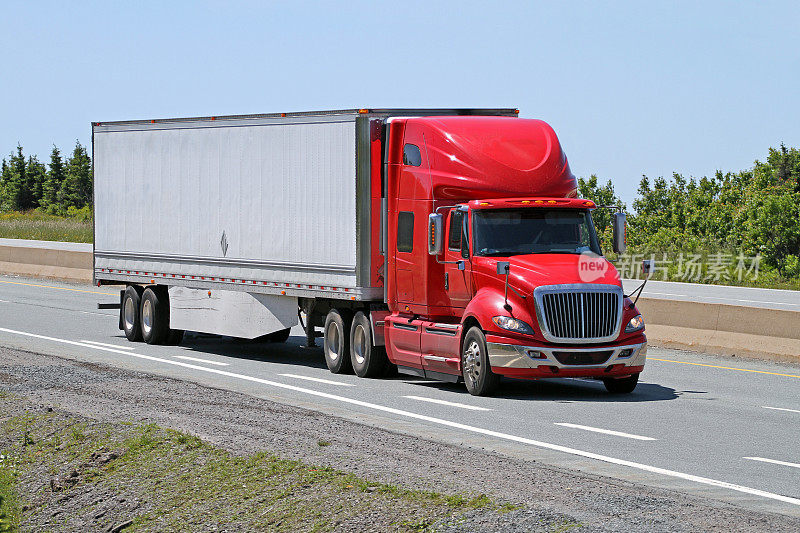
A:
507, 232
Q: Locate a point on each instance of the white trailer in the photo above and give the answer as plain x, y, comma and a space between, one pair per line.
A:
238, 216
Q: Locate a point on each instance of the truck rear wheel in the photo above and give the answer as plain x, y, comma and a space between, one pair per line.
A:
367, 359
478, 375
337, 341
131, 303
621, 385
154, 316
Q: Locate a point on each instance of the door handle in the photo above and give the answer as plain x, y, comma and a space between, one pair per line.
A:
446, 281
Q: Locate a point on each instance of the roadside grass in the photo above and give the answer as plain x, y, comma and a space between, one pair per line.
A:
43, 227
180, 482
9, 502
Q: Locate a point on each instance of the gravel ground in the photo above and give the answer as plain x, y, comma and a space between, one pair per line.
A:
245, 425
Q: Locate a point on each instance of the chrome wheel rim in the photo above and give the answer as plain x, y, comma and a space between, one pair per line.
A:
472, 362
360, 344
130, 314
147, 317
332, 336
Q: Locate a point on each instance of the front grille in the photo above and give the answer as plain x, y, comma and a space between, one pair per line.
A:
580, 314
583, 358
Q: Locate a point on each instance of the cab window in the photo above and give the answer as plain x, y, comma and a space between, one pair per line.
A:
454, 234
405, 231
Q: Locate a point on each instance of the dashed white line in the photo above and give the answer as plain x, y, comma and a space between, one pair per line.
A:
773, 461
198, 360
780, 409
439, 421
605, 431
444, 402
318, 380
109, 345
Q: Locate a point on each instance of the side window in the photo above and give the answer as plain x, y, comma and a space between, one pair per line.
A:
411, 155
405, 231
454, 235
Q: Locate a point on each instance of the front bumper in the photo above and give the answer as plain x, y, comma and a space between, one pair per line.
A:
513, 360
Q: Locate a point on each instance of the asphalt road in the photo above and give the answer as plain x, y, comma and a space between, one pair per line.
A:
717, 294
723, 428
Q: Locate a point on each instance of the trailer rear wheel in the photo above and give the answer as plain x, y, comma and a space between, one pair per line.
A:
155, 316
131, 302
621, 385
367, 359
478, 375
337, 341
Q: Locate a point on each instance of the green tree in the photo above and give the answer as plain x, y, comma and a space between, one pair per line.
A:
35, 175
76, 190
17, 191
53, 182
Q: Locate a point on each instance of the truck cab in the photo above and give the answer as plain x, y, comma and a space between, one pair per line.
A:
494, 265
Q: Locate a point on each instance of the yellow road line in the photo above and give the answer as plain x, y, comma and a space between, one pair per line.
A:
57, 288
724, 367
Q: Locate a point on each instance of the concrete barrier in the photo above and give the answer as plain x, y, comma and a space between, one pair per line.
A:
46, 259
722, 329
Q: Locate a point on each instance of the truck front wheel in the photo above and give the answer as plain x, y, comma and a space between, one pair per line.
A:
478, 375
337, 341
367, 359
621, 385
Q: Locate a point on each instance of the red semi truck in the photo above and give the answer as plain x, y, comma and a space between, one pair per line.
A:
449, 244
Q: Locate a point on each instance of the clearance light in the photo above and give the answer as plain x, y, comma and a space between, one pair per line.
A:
551, 202
363, 111
539, 202
588, 203
526, 201
484, 203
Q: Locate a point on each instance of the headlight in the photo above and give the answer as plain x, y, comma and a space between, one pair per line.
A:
512, 324
636, 324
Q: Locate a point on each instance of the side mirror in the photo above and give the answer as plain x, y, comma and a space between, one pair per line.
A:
647, 267
620, 233
435, 233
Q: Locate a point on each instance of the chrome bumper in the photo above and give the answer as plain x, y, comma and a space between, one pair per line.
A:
516, 356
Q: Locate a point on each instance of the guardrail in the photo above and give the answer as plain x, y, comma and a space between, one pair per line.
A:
671, 323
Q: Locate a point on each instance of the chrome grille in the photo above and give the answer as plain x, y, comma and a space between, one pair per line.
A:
580, 313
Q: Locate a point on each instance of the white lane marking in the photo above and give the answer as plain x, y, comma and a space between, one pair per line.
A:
198, 360
439, 421
773, 461
781, 409
451, 404
5, 301
109, 345
318, 380
605, 431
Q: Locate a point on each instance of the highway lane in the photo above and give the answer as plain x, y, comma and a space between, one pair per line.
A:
693, 415
717, 294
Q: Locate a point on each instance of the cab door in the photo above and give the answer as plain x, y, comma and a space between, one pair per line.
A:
457, 269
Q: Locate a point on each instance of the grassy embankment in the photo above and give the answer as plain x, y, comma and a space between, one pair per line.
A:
39, 226
180, 482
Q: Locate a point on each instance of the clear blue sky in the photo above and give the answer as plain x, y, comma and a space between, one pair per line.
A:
631, 88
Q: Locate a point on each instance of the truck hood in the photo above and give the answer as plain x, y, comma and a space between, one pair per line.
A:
531, 271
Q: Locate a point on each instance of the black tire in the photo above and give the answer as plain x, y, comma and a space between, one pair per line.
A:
337, 341
478, 375
368, 360
129, 313
154, 316
621, 385
278, 336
